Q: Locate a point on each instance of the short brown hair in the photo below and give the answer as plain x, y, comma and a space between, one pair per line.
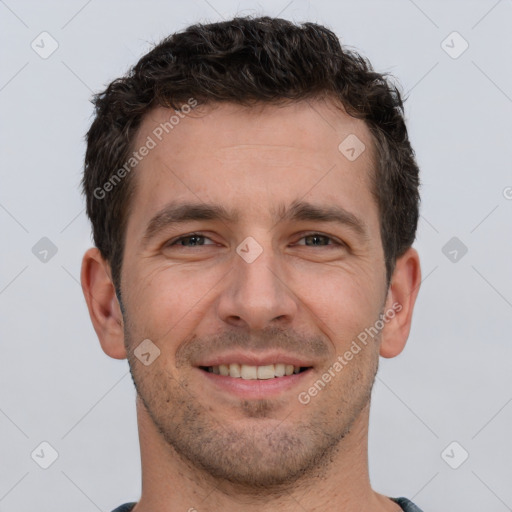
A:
247, 60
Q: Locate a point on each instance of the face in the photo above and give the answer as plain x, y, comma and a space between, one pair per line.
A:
252, 247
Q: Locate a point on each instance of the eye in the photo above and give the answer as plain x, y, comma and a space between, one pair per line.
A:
319, 240
310, 240
190, 240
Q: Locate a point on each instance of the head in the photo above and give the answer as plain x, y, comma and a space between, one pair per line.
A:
257, 135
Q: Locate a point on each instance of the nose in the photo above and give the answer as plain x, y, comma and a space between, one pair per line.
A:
257, 295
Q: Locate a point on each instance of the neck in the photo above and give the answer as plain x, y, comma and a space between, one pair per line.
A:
340, 482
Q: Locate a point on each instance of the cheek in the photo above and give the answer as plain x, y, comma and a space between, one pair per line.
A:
166, 302
342, 303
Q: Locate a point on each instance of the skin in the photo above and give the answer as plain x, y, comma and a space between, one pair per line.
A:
204, 448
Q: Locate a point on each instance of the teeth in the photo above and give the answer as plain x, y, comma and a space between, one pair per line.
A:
249, 372
234, 370
266, 372
279, 370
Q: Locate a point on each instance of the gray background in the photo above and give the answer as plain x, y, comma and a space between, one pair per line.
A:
452, 382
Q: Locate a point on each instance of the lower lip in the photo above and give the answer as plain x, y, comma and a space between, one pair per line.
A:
264, 388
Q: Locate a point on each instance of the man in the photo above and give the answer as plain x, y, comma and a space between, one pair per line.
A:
254, 198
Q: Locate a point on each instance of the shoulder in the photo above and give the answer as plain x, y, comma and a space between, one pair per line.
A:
127, 507
407, 505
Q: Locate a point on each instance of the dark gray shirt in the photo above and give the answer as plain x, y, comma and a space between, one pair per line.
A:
407, 506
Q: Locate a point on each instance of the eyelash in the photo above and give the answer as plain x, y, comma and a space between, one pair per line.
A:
175, 241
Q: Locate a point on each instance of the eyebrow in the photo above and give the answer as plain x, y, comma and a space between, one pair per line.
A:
182, 212
179, 213
304, 211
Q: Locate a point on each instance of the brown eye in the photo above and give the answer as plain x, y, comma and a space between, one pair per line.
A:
318, 240
190, 240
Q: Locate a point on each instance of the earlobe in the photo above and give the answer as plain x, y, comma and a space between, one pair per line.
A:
402, 293
102, 303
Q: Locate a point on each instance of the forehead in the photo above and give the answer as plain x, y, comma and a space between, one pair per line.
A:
253, 156
306, 125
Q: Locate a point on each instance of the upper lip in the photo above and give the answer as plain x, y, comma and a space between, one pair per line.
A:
253, 359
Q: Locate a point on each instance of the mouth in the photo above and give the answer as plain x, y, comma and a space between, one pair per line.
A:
251, 372
255, 381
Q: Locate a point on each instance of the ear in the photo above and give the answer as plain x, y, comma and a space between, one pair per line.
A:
104, 308
400, 300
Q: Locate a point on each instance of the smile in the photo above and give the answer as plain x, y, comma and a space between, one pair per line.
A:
250, 372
